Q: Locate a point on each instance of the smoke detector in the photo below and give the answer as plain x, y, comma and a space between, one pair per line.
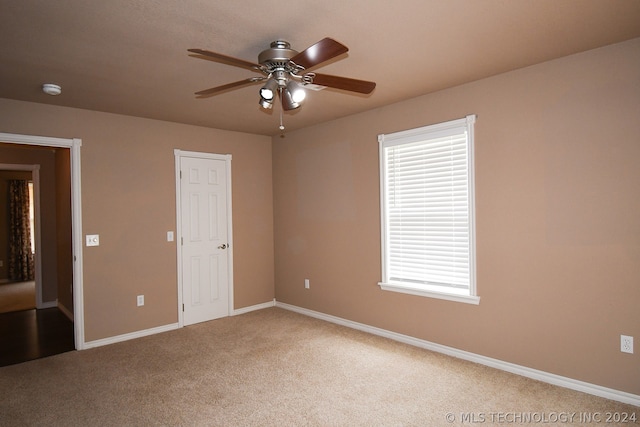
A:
51, 89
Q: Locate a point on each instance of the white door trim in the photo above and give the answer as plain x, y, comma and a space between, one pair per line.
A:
227, 158
74, 145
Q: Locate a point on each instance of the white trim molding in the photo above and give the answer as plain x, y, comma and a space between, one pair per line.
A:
65, 311
416, 166
48, 304
253, 308
130, 336
570, 383
166, 328
405, 289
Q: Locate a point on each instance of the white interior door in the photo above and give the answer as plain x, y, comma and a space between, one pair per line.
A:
205, 240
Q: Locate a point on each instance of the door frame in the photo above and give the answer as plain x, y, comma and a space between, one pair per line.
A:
179, 154
74, 145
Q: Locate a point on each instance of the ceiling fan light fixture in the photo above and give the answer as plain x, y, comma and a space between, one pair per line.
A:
266, 104
297, 92
268, 91
287, 100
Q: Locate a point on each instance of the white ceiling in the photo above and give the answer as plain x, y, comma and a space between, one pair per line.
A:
130, 57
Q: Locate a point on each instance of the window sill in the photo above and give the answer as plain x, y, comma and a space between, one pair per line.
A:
405, 289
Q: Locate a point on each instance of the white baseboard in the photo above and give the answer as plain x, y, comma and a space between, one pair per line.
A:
254, 308
48, 304
65, 311
130, 336
159, 329
524, 371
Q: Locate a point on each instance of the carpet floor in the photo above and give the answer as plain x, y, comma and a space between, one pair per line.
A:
273, 367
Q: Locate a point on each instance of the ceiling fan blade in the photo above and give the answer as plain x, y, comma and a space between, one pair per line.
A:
320, 52
344, 83
219, 89
218, 57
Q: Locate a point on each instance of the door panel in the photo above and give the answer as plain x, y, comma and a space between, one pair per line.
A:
205, 281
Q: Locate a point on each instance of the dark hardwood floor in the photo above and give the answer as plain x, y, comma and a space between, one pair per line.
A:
32, 334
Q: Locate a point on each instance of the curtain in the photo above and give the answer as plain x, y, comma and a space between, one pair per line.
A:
21, 264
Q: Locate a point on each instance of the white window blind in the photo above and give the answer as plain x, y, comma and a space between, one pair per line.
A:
427, 208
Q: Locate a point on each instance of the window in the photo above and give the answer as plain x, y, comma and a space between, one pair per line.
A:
427, 211
32, 219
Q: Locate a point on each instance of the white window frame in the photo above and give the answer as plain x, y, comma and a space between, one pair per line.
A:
425, 133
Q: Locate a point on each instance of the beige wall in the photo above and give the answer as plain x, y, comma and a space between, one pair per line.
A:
558, 223
128, 198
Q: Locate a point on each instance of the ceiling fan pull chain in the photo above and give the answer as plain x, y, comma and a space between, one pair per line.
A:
281, 125
281, 108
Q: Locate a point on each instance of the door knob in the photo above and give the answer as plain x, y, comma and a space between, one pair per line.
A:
223, 246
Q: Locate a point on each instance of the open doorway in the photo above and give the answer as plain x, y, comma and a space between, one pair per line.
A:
49, 327
17, 238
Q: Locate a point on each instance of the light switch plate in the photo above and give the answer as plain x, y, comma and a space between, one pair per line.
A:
93, 240
169, 236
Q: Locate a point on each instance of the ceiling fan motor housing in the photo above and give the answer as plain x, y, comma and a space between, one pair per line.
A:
277, 59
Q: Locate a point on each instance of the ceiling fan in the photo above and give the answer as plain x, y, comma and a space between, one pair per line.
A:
285, 72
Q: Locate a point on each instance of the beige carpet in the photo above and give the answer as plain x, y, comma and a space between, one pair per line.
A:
17, 296
272, 368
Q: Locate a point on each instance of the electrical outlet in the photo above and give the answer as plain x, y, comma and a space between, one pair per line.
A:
140, 300
306, 283
626, 344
